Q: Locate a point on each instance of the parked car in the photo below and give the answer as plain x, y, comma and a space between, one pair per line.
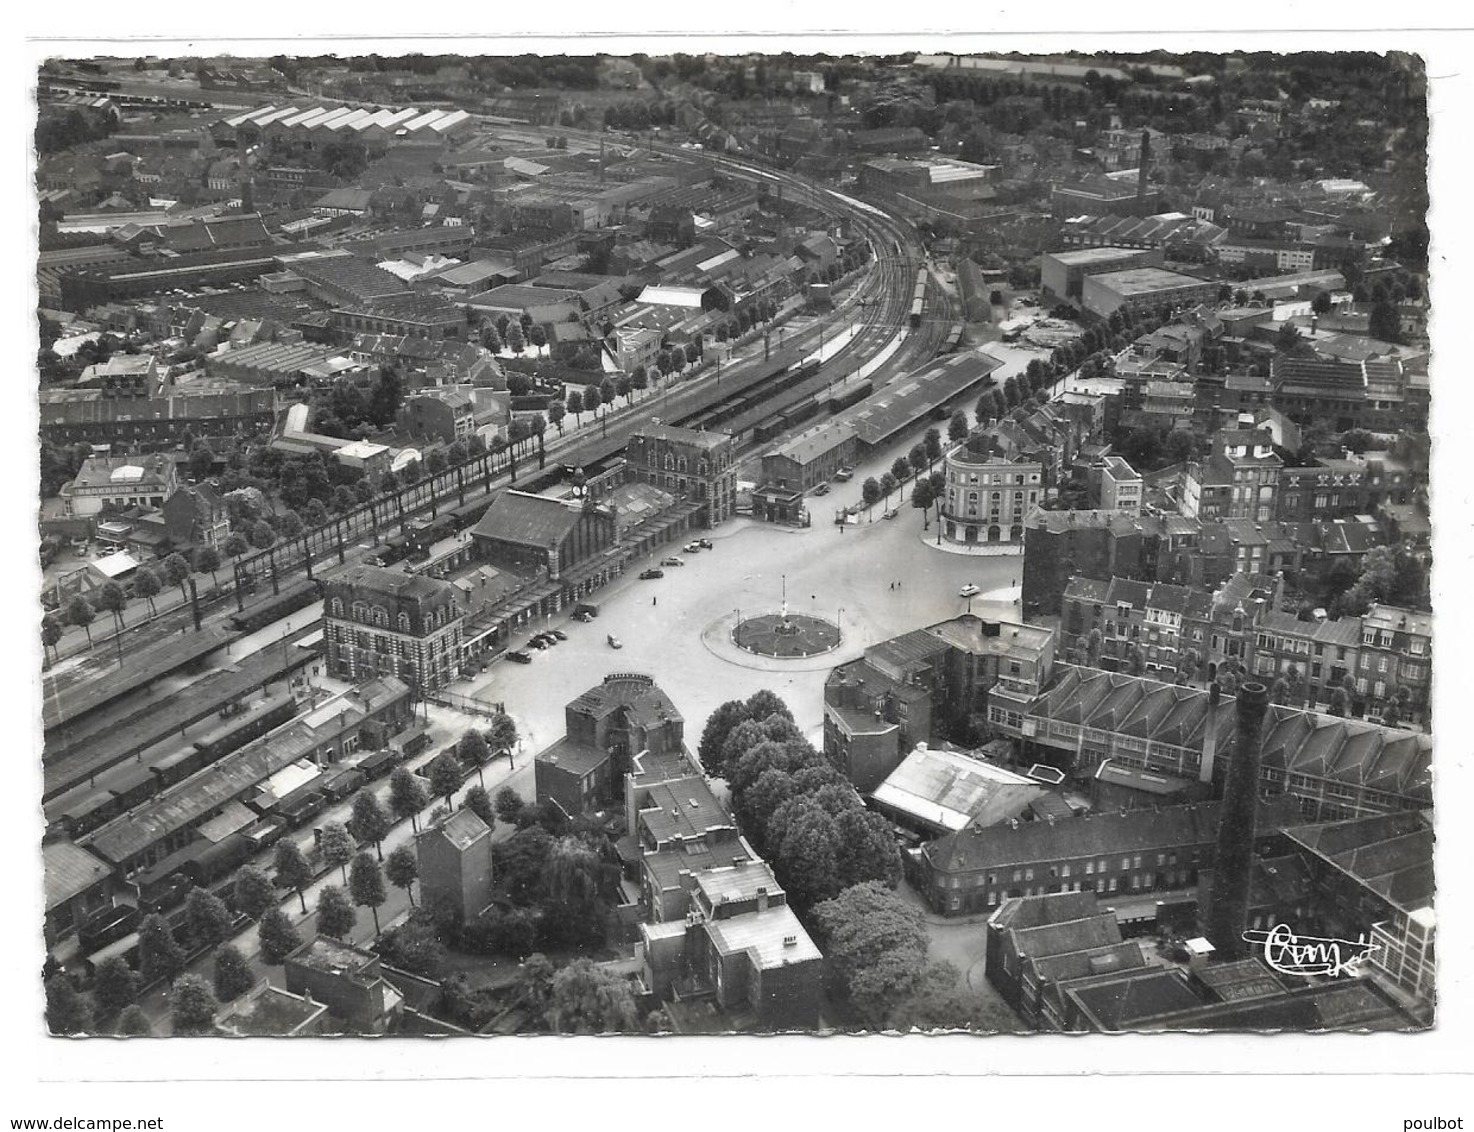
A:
615, 642
672, 560
558, 634
537, 643
969, 590
587, 607
891, 514
704, 543
691, 547
583, 616
822, 489
844, 475
651, 574
519, 657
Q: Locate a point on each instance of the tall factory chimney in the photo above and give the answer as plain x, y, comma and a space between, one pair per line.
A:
1233, 860
1146, 160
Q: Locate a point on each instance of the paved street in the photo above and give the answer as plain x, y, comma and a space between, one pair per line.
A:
675, 627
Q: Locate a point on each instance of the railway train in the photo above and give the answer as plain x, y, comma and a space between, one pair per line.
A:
294, 596
918, 300
118, 789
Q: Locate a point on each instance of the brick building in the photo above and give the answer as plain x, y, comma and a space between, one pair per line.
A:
455, 864
1239, 480
740, 946
1119, 854
625, 715
686, 462
1150, 623
378, 621
914, 687
528, 533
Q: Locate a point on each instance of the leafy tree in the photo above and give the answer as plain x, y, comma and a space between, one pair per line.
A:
922, 499
957, 427
207, 917
402, 869
478, 801
207, 561
867, 848
519, 863
67, 1009
875, 944
407, 795
335, 914
741, 739
556, 412
235, 545
262, 536
81, 614
593, 398
133, 1023
159, 953
289, 525
51, 633
114, 988
233, 976
806, 853
445, 776
252, 892
146, 585
941, 1001
338, 846
278, 937
509, 805
714, 735
176, 572
370, 822
192, 1006
414, 946
472, 748
900, 469
292, 869
366, 884
1384, 323
585, 999
887, 486
932, 442
502, 734
113, 599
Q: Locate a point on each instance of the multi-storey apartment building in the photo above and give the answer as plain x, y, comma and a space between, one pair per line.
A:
1239, 480
1145, 626
988, 494
1396, 660
696, 464
380, 622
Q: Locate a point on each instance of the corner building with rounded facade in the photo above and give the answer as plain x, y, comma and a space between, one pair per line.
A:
988, 495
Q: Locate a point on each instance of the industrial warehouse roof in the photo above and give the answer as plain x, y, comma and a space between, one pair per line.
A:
1297, 742
70, 871
184, 805
949, 789
1392, 854
1143, 280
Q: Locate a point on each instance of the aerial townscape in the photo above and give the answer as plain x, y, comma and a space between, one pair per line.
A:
695, 544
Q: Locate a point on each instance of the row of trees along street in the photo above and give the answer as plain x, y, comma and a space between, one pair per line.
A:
839, 865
